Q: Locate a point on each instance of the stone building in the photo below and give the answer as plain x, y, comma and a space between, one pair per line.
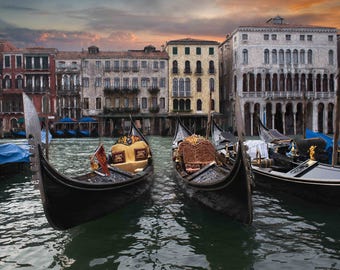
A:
116, 85
283, 73
193, 81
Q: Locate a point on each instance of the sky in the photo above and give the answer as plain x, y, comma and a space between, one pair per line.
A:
116, 25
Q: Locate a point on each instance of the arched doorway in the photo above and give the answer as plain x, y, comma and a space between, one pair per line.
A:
247, 119
321, 108
330, 118
278, 118
289, 119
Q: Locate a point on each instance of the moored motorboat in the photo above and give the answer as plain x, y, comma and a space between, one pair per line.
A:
71, 201
205, 176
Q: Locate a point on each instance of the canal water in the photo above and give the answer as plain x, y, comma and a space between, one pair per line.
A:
164, 230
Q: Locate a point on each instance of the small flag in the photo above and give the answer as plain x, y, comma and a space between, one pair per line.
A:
101, 157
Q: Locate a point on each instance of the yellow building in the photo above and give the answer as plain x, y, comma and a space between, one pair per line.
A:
193, 79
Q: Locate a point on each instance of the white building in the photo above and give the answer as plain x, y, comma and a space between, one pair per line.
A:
276, 68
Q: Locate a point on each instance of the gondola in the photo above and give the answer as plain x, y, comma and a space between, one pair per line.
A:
309, 179
71, 201
204, 176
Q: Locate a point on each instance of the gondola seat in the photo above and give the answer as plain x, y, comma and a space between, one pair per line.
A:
131, 158
196, 155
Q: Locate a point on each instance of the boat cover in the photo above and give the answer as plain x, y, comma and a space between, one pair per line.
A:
11, 153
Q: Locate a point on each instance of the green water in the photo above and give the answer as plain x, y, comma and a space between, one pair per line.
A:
164, 230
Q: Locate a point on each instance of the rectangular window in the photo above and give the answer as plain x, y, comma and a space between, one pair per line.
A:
117, 102
98, 82
155, 64
98, 103
45, 62
198, 51
211, 51
29, 62
98, 64
309, 37
107, 65
7, 61
125, 65
116, 66
144, 64
134, 66
116, 82
19, 61
302, 37
134, 82
266, 36
86, 103
126, 102
274, 37
144, 103
86, 64
154, 82
288, 37
330, 38
36, 60
125, 82
144, 82
244, 36
187, 50
162, 103
162, 83
86, 82
162, 64
174, 50
107, 83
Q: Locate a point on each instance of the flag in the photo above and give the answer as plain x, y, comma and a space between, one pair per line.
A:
101, 157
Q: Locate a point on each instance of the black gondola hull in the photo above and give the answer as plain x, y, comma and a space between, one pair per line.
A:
226, 190
68, 203
327, 193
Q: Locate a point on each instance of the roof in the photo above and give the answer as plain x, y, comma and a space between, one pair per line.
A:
280, 23
191, 41
133, 54
6, 46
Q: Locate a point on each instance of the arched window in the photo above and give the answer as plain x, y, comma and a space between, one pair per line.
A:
198, 67
174, 67
245, 56
325, 83
331, 57
245, 83
181, 87
175, 87
187, 87
295, 57
187, 105
181, 105
281, 57
175, 105
310, 57
331, 83
7, 82
266, 56
199, 85
302, 57
288, 57
211, 67
274, 56
212, 84
187, 68
199, 105
19, 82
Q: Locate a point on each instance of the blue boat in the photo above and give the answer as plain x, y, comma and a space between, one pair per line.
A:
14, 158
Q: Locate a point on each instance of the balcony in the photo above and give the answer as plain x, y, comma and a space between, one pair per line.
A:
135, 109
154, 109
121, 91
153, 90
187, 71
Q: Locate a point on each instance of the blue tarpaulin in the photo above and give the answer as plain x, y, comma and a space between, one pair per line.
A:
67, 120
327, 139
87, 120
11, 153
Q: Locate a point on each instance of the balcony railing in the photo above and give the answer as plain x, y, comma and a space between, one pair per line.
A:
111, 110
288, 95
154, 109
153, 90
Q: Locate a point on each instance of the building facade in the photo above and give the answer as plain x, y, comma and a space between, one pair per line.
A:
29, 70
285, 74
193, 81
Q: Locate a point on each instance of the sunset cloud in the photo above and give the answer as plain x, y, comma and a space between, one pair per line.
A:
117, 25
